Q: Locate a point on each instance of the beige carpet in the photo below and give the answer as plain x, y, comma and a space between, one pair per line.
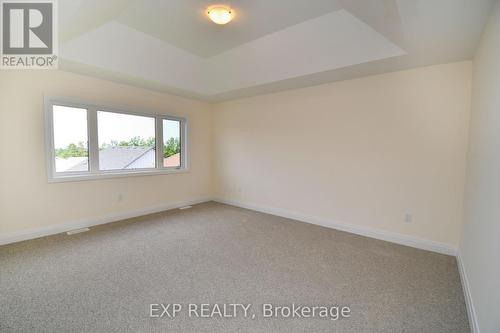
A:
104, 280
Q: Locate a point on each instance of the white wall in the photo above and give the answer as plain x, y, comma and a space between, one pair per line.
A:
28, 202
480, 246
363, 152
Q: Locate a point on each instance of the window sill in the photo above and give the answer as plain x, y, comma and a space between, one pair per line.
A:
113, 174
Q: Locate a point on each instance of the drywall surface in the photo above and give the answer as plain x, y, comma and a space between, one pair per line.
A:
364, 152
28, 201
480, 246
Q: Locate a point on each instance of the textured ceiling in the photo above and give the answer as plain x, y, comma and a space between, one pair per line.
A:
183, 23
271, 45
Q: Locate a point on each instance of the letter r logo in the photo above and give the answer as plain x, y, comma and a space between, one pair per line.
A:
27, 28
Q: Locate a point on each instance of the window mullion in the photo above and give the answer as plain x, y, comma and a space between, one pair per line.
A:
93, 140
159, 142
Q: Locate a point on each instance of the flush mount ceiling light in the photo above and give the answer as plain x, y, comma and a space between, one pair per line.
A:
220, 14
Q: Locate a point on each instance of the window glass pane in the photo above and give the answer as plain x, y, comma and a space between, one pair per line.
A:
171, 143
70, 139
125, 141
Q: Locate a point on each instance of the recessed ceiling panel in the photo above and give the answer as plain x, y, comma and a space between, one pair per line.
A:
331, 41
184, 24
120, 49
270, 45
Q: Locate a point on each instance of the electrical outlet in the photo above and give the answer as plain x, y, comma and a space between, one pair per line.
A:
408, 218
120, 197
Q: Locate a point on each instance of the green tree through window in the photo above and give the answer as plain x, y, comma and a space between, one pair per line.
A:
73, 150
171, 147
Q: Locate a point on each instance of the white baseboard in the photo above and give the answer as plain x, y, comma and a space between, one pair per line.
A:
424, 244
17, 236
471, 311
393, 237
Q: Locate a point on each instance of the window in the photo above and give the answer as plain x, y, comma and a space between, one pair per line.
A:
126, 141
171, 143
87, 141
71, 149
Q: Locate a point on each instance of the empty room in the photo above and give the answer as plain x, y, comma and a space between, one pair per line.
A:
250, 166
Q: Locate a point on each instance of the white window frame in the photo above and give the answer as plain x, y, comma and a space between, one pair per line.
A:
93, 148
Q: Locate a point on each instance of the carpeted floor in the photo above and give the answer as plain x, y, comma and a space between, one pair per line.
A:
104, 280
